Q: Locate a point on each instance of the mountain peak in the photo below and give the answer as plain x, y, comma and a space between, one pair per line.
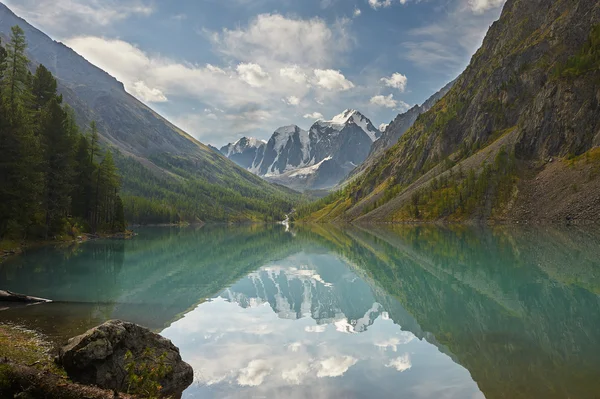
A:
345, 116
350, 116
287, 129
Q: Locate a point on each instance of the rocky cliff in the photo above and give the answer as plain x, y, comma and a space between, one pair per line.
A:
529, 97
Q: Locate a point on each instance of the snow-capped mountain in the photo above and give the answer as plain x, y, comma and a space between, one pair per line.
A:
315, 159
245, 152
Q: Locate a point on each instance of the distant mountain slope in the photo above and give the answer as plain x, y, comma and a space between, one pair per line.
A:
397, 128
315, 159
175, 159
514, 139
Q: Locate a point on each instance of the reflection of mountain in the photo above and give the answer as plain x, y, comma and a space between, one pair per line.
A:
520, 309
322, 288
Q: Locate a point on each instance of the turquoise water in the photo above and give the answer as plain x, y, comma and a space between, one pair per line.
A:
409, 312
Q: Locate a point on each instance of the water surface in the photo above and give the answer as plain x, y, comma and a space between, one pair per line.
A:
411, 312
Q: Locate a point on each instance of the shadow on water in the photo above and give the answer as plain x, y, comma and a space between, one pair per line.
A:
518, 308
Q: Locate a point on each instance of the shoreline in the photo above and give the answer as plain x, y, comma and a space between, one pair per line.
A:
12, 248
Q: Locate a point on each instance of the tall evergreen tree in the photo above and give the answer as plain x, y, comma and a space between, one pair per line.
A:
20, 175
58, 162
48, 170
43, 87
15, 76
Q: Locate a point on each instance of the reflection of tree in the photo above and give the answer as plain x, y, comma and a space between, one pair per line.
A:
510, 306
153, 278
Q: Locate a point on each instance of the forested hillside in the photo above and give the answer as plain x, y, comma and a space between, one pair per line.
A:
54, 179
168, 176
516, 138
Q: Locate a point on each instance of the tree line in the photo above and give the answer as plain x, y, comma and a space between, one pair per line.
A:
54, 179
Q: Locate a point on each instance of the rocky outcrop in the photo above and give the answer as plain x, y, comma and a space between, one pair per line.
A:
101, 357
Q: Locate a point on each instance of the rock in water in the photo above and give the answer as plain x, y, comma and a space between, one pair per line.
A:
101, 357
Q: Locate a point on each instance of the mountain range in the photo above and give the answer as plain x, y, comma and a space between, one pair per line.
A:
315, 159
516, 138
166, 172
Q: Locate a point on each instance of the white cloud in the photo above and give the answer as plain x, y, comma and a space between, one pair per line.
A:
292, 100
332, 80
316, 329
297, 374
479, 6
375, 4
293, 73
146, 94
314, 116
394, 342
335, 366
396, 81
66, 16
274, 38
357, 12
401, 363
383, 126
253, 74
384, 101
254, 374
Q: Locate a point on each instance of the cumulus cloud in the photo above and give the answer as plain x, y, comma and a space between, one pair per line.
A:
383, 126
285, 40
335, 366
332, 80
314, 116
479, 6
292, 100
60, 18
375, 4
396, 81
254, 374
294, 73
146, 94
297, 374
253, 74
384, 101
401, 363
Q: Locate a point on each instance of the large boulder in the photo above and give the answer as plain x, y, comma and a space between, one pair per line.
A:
116, 354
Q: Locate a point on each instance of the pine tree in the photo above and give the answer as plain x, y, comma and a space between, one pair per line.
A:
43, 87
58, 163
15, 76
95, 146
82, 195
20, 174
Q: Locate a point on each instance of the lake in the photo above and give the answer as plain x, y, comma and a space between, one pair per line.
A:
323, 311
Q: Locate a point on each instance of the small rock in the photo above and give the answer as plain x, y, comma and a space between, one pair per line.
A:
98, 357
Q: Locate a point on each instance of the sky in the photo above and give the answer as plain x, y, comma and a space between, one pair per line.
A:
223, 69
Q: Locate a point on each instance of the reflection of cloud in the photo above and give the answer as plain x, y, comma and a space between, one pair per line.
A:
401, 363
254, 374
393, 343
315, 329
343, 326
335, 366
295, 346
295, 375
